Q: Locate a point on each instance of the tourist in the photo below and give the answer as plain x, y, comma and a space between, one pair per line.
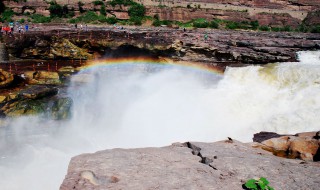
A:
205, 37
26, 27
76, 26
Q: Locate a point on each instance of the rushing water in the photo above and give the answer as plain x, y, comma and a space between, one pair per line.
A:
139, 106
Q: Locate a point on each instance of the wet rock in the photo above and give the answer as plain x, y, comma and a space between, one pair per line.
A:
36, 92
42, 77
5, 78
25, 107
65, 49
191, 165
61, 109
262, 136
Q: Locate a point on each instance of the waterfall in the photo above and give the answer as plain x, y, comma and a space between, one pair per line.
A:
129, 107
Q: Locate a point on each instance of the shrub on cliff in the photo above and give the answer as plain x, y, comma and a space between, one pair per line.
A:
6, 16
254, 25
315, 29
264, 28
156, 22
80, 4
55, 9
121, 2
37, 18
98, 3
214, 24
136, 20
111, 20
232, 25
200, 23
136, 10
103, 10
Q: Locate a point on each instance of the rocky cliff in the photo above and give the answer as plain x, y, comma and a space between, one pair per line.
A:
192, 165
267, 12
237, 47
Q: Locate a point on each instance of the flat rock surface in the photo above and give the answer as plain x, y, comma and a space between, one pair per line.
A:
219, 165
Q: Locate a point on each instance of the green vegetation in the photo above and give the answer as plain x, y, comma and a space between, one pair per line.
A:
200, 23
214, 24
264, 28
37, 18
122, 2
80, 4
136, 10
260, 184
136, 20
98, 3
22, 21
103, 10
254, 24
59, 11
111, 20
315, 29
89, 17
55, 9
6, 16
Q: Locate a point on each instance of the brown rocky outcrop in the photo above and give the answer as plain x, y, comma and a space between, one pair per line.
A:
221, 46
219, 165
42, 77
288, 12
304, 146
313, 18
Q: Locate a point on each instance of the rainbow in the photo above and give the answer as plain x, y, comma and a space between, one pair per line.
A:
92, 65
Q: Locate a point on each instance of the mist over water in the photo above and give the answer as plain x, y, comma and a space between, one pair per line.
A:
152, 105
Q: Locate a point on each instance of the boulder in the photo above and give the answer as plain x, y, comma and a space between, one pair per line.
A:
303, 146
37, 91
192, 165
5, 78
25, 107
65, 49
42, 77
262, 136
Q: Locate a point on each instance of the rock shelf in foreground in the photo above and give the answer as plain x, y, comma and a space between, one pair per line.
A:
192, 165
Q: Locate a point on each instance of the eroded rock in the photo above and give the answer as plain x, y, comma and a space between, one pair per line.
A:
42, 77
303, 146
219, 165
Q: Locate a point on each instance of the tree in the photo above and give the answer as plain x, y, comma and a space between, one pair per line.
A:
103, 10
137, 10
55, 9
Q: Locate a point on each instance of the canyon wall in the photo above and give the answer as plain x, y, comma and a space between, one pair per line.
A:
267, 12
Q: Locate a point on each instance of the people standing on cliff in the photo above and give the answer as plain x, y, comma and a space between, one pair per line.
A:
76, 26
206, 37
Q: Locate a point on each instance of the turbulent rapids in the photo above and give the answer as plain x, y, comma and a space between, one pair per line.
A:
139, 105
